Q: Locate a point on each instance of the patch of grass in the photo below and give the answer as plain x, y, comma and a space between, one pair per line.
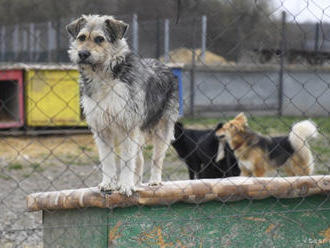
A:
5, 177
71, 160
95, 159
147, 152
85, 148
78, 160
36, 167
171, 155
201, 121
148, 147
263, 124
26, 175
15, 166
321, 149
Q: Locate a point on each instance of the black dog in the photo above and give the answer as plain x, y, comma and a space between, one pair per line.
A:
199, 149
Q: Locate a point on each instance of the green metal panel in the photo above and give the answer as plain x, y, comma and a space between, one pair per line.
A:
78, 228
301, 222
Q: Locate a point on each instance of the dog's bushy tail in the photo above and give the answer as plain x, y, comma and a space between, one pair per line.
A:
300, 133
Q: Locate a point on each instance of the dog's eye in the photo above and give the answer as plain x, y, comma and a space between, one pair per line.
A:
99, 39
82, 37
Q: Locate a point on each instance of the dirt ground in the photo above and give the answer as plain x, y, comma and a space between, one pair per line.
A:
184, 55
48, 163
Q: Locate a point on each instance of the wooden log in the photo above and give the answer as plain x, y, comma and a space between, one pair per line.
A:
192, 191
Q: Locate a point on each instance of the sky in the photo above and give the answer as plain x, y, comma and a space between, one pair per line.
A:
303, 10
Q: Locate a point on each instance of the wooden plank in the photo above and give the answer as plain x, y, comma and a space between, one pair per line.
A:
193, 191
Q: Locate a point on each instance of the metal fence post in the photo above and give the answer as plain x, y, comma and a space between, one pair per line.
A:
58, 39
192, 73
3, 42
16, 45
166, 40
317, 34
282, 56
37, 44
25, 44
240, 42
158, 38
51, 41
204, 36
135, 31
31, 41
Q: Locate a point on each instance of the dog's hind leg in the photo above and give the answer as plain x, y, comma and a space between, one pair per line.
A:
194, 168
289, 171
161, 141
129, 145
158, 155
105, 145
259, 169
245, 172
191, 173
139, 163
299, 166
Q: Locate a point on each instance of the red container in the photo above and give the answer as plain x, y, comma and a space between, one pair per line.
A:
11, 99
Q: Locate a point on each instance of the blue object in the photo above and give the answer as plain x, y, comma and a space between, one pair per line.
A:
178, 74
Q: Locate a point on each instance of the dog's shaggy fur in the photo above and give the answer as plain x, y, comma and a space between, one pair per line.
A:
205, 155
261, 156
126, 100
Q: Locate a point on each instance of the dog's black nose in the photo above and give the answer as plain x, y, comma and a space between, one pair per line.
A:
84, 54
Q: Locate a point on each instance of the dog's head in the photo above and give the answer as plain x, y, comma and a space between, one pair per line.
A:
233, 127
178, 130
96, 39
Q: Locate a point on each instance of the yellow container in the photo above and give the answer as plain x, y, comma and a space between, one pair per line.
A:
52, 98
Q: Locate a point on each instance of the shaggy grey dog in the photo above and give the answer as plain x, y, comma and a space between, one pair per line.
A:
126, 100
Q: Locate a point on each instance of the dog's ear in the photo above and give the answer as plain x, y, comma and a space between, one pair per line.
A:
178, 129
115, 29
179, 124
241, 118
74, 27
219, 126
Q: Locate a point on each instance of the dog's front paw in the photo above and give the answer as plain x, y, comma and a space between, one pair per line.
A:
155, 183
107, 186
126, 189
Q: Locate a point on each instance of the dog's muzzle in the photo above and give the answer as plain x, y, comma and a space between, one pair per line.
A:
84, 55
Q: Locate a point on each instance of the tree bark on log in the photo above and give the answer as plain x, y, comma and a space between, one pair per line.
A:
192, 191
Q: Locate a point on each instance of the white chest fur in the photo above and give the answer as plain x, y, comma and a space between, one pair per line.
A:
221, 151
246, 165
110, 104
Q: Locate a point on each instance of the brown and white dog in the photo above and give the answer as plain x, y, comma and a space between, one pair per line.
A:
261, 156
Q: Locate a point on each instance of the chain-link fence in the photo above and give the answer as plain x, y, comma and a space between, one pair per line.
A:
268, 59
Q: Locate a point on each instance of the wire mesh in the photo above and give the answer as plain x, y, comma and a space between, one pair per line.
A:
268, 59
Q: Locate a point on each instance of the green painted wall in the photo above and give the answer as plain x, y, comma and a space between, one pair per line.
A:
301, 222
